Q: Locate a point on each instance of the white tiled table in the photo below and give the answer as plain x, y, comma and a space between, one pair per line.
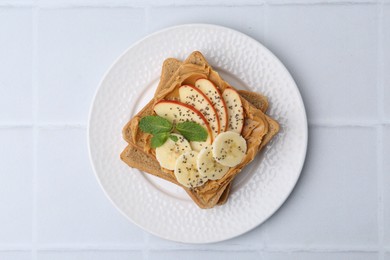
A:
53, 54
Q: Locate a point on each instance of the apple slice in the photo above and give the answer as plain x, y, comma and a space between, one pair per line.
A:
194, 97
235, 110
177, 112
213, 93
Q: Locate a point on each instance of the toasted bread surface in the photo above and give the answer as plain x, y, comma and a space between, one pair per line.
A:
258, 128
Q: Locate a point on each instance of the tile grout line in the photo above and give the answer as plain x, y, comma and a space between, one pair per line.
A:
380, 148
34, 84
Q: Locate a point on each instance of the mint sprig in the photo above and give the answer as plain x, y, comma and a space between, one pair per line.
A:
159, 139
162, 129
155, 124
192, 131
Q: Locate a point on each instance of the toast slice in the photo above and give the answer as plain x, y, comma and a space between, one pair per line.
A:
261, 102
136, 159
208, 194
151, 165
256, 128
133, 157
169, 67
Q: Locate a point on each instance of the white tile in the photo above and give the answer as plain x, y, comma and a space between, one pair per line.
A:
15, 255
331, 52
71, 206
386, 183
335, 201
386, 58
253, 24
16, 163
204, 255
15, 65
321, 256
76, 47
86, 255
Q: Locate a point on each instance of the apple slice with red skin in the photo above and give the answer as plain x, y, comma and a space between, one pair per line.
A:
177, 112
235, 110
195, 97
212, 92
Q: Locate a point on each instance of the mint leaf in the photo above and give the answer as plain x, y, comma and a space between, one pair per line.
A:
154, 125
173, 138
161, 130
192, 131
159, 139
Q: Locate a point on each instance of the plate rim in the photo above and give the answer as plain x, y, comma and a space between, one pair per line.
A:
277, 60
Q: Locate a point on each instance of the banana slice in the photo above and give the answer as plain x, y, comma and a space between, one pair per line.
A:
229, 148
186, 171
168, 153
208, 167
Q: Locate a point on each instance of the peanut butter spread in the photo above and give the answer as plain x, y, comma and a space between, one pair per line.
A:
255, 126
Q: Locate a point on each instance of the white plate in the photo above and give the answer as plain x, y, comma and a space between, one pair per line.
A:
161, 207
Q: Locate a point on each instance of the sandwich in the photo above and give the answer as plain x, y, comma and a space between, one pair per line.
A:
191, 98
